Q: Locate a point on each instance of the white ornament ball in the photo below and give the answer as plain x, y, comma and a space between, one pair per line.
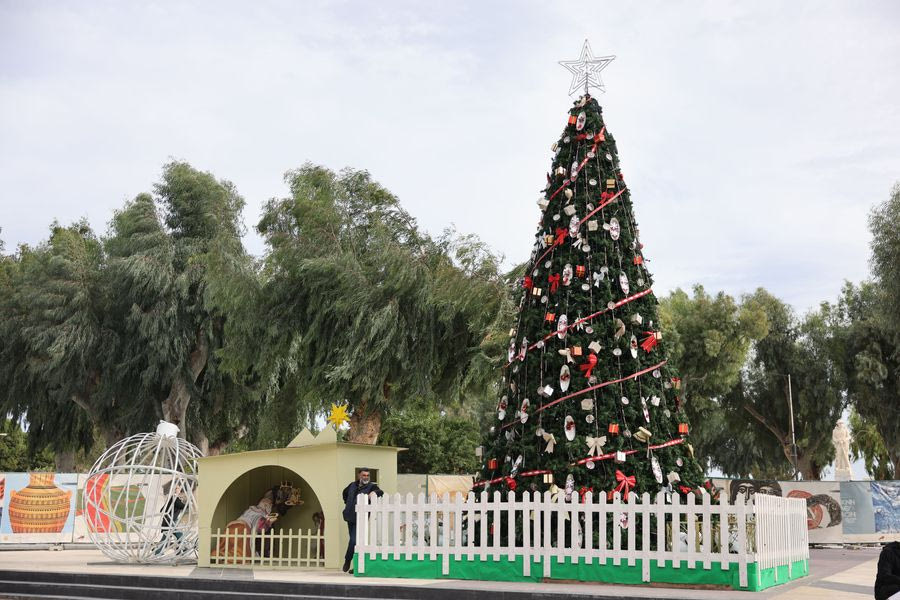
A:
132, 497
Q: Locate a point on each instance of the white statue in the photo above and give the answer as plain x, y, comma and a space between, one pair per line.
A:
840, 437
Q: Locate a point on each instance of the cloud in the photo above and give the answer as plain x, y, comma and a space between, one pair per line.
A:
755, 136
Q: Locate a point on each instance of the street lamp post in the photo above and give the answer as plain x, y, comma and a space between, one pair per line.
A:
793, 437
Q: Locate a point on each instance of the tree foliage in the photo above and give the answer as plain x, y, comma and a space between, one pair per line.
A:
867, 444
114, 333
358, 305
809, 349
709, 339
16, 454
436, 443
872, 368
884, 225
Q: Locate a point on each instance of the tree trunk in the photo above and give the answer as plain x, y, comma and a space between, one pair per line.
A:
111, 435
202, 442
174, 408
365, 425
65, 461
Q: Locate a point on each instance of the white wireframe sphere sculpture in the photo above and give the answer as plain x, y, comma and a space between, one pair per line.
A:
139, 499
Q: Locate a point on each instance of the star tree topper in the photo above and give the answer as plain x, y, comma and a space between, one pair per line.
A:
338, 415
586, 70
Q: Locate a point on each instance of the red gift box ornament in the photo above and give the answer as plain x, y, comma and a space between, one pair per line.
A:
651, 340
626, 483
572, 119
579, 271
492, 464
613, 429
638, 259
553, 280
682, 429
550, 317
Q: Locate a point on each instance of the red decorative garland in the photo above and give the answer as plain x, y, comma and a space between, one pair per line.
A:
609, 455
597, 139
622, 302
507, 479
594, 387
602, 206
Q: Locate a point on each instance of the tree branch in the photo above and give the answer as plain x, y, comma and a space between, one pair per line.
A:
759, 417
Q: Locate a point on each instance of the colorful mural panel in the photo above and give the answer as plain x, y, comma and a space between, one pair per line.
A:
37, 507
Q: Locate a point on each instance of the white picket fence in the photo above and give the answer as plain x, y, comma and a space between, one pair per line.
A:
770, 531
272, 549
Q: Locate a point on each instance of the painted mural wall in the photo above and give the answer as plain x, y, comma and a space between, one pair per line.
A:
37, 507
837, 511
46, 507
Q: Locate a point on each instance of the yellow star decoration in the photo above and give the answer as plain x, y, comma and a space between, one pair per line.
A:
338, 415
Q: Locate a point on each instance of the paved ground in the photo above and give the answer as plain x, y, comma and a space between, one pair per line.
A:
846, 574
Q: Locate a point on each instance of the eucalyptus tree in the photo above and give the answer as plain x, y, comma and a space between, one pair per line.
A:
111, 334
176, 263
359, 305
709, 340
809, 349
54, 337
872, 369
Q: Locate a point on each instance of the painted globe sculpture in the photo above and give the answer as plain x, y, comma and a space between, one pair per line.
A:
139, 500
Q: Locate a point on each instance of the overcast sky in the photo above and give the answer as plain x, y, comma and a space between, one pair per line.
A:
755, 136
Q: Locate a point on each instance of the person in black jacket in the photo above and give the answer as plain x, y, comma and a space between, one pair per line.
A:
171, 511
361, 486
887, 581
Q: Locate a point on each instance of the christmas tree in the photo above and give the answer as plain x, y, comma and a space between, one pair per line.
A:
588, 401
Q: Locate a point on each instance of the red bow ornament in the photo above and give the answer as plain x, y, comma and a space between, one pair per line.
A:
652, 339
553, 280
527, 283
684, 489
626, 483
588, 367
585, 491
561, 233
510, 483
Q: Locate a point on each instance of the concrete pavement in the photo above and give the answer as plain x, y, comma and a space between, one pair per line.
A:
846, 574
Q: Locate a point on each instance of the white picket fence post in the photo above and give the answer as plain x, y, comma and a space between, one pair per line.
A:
549, 526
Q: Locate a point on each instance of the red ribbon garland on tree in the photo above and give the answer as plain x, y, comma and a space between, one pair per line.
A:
626, 482
610, 455
553, 280
649, 342
588, 367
